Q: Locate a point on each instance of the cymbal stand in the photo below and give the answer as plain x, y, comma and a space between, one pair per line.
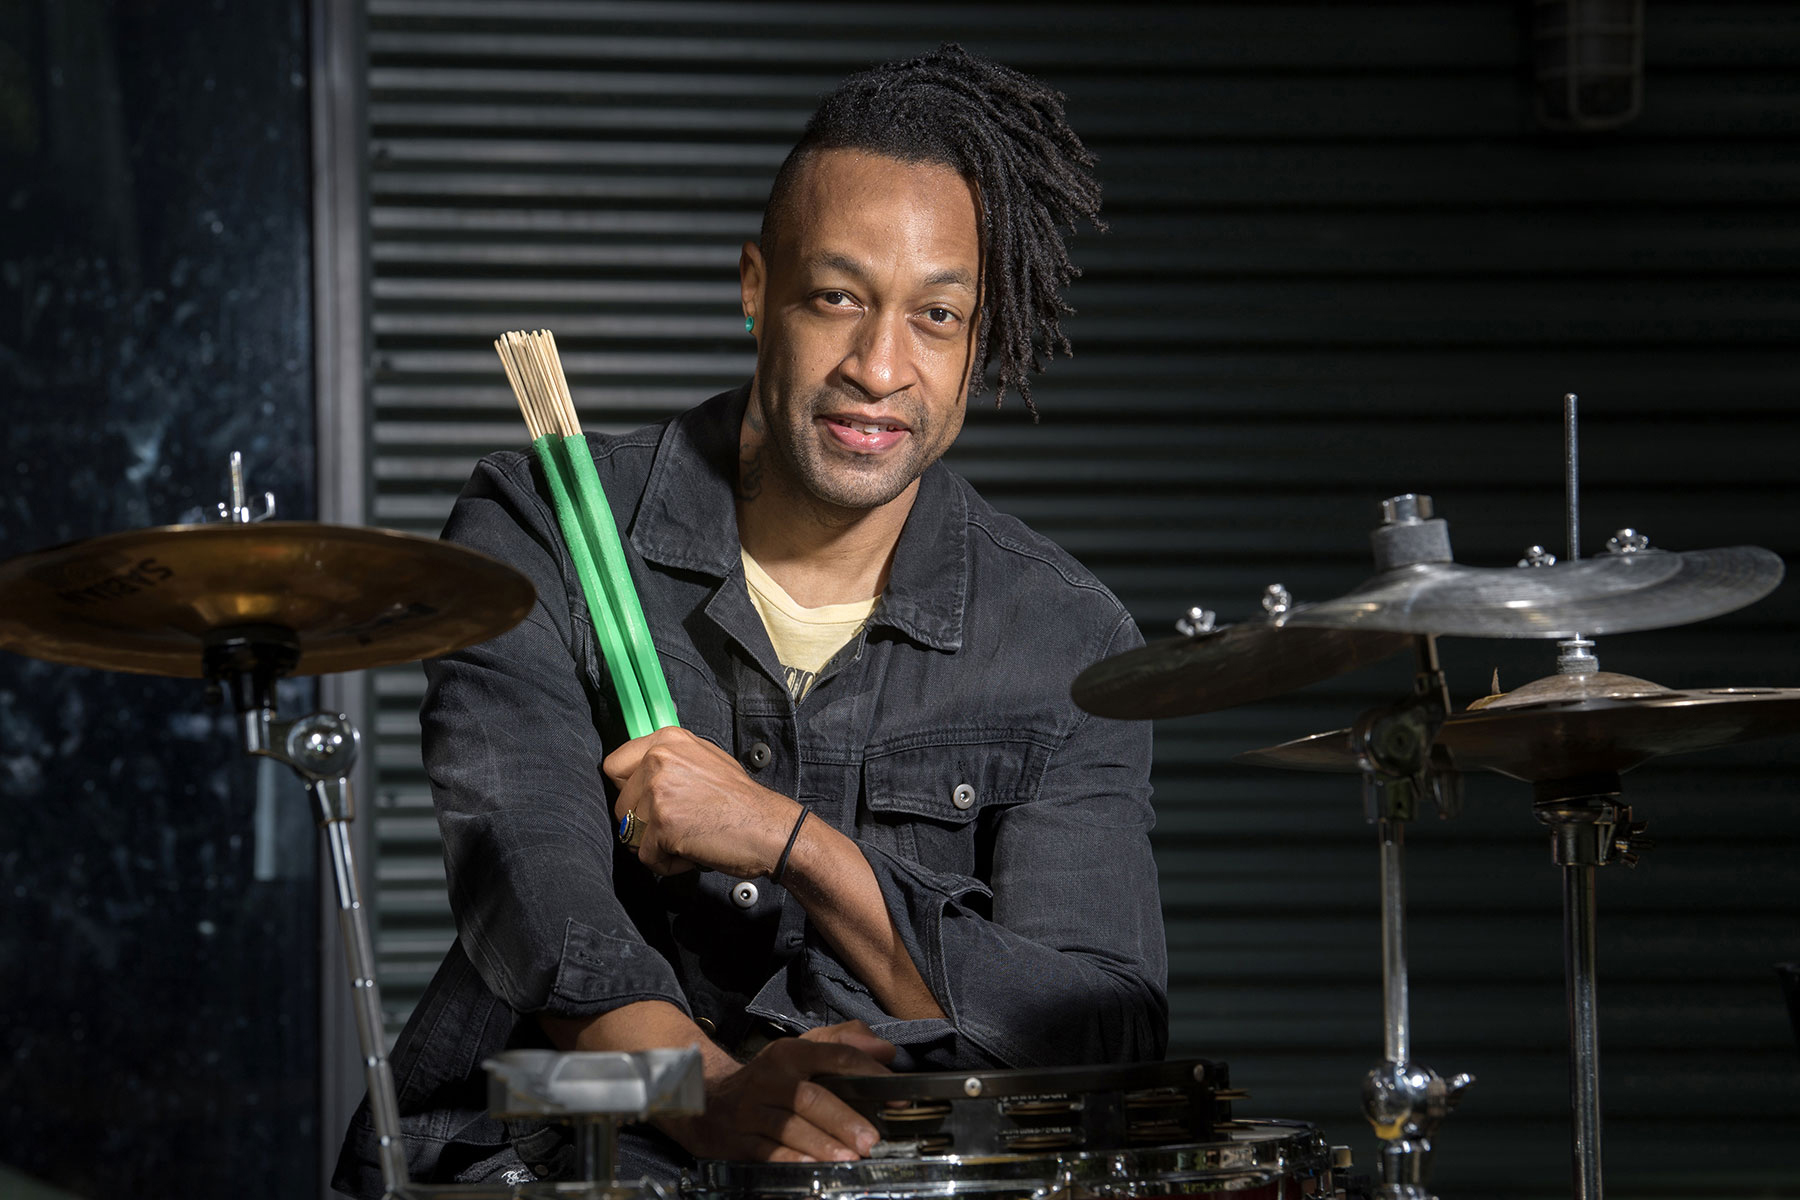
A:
1588, 828
245, 661
1402, 1100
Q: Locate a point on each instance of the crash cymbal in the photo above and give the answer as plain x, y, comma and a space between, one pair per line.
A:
145, 600
1557, 732
1231, 665
1613, 593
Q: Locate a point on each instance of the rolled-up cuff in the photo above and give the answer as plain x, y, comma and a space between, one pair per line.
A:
1011, 1000
597, 973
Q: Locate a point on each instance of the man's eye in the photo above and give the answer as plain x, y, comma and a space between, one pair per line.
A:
834, 298
939, 316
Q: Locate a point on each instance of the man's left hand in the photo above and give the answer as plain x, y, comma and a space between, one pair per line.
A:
698, 807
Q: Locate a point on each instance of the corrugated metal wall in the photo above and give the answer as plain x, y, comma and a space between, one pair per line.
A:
1342, 264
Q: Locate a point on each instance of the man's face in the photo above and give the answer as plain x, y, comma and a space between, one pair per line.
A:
865, 306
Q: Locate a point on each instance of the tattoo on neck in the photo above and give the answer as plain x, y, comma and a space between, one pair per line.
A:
750, 472
750, 448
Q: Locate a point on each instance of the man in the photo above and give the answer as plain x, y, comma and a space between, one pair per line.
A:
883, 835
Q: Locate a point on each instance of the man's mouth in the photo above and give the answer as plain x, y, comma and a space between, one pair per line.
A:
865, 435
862, 426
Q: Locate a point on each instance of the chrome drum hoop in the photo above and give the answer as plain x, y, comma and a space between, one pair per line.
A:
1247, 1160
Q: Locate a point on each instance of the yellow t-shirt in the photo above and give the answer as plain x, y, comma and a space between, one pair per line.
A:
804, 638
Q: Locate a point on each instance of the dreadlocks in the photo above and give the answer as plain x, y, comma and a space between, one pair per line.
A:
1005, 133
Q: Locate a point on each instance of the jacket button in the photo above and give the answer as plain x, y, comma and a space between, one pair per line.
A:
744, 894
706, 1025
759, 756
963, 796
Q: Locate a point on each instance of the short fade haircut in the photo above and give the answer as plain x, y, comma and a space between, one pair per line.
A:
1006, 134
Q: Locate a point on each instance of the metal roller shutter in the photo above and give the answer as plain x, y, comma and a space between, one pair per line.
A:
1343, 264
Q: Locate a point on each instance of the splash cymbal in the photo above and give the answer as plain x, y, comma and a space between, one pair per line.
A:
1232, 665
1564, 729
145, 601
1613, 593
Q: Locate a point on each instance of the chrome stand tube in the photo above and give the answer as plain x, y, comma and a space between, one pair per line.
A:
321, 749
359, 956
1396, 1018
596, 1148
1403, 768
1579, 916
1589, 828
1403, 1101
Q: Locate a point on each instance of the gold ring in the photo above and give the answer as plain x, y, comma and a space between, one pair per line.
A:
631, 830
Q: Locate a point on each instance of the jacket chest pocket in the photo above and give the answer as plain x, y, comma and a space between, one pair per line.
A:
936, 805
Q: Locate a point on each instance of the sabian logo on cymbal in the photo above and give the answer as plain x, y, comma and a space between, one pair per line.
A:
365, 632
146, 573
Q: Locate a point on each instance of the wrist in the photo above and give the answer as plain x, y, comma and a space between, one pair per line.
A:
784, 859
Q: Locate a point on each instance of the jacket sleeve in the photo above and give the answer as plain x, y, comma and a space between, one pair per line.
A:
513, 749
1058, 957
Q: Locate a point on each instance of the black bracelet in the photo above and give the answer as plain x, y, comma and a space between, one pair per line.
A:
781, 863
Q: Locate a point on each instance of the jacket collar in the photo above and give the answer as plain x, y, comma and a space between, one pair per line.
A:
688, 520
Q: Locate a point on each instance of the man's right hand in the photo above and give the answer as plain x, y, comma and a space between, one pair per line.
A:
770, 1110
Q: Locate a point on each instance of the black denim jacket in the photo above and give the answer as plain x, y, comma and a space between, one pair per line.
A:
1007, 829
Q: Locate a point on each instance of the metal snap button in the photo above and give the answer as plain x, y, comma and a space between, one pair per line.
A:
744, 894
759, 756
963, 796
706, 1025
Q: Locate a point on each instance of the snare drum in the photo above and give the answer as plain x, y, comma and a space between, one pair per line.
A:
1245, 1160
1135, 1132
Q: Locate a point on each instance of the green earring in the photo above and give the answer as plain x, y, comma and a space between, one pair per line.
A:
749, 324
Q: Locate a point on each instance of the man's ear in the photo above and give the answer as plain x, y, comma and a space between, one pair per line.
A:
752, 276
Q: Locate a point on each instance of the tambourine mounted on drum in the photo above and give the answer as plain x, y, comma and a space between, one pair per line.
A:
1056, 1108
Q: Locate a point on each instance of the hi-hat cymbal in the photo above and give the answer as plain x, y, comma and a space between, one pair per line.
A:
145, 600
1558, 732
1614, 593
1235, 664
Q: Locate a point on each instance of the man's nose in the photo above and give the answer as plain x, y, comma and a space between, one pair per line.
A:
880, 359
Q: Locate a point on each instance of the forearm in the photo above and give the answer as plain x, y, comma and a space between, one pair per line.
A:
828, 875
1036, 992
644, 1025
764, 1109
696, 807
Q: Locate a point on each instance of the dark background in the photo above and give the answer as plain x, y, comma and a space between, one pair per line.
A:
1345, 262
158, 896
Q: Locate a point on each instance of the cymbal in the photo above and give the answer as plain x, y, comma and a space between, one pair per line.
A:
1613, 593
144, 600
1232, 665
1557, 732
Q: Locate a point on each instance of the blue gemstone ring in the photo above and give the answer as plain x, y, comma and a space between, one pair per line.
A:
631, 830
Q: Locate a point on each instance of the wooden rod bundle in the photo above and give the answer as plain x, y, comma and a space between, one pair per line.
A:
535, 372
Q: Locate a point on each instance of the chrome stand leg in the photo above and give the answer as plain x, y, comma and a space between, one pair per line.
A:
1589, 828
1403, 1101
321, 748
1396, 1015
596, 1148
1579, 916
359, 955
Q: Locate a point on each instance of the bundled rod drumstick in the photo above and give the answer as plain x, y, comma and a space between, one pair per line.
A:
536, 375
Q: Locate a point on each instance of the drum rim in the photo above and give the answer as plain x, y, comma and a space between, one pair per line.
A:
1001, 1084
1268, 1145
